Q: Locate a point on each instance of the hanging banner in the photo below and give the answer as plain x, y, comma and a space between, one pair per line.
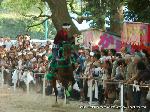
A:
108, 41
99, 39
135, 33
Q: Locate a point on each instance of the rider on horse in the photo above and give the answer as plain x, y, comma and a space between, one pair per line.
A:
61, 36
61, 39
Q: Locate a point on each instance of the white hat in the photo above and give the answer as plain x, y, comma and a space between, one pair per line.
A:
34, 49
108, 58
39, 54
24, 53
91, 53
1, 44
33, 60
19, 53
30, 52
66, 26
127, 56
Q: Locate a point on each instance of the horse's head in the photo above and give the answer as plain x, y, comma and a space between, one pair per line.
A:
67, 50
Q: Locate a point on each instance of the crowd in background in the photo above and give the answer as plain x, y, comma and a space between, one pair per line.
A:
98, 66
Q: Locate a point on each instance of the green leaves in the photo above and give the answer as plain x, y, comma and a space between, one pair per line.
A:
20, 6
138, 10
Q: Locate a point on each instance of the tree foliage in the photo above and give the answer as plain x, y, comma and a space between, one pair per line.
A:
95, 11
21, 6
138, 10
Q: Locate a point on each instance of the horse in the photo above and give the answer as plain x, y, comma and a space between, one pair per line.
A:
61, 70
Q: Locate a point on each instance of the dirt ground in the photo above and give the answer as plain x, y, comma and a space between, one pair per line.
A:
21, 102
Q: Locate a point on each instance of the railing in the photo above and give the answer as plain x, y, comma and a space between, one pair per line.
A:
90, 86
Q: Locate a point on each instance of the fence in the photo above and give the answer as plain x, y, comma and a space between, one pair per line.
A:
28, 80
26, 77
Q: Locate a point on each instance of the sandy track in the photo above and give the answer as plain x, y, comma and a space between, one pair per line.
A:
21, 102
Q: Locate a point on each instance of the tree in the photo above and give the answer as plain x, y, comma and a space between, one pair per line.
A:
58, 8
61, 15
138, 10
116, 15
102, 9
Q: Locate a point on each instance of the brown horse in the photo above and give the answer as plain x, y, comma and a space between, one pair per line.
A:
64, 71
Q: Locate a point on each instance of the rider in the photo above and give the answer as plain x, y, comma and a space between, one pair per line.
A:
61, 36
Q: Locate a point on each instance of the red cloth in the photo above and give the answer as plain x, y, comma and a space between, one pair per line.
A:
149, 34
61, 36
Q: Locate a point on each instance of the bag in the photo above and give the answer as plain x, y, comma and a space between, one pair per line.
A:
76, 87
148, 95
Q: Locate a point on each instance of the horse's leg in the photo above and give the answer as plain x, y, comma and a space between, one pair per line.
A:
56, 93
65, 96
55, 89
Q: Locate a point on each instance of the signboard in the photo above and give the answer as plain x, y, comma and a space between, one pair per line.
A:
101, 40
108, 41
79, 40
135, 33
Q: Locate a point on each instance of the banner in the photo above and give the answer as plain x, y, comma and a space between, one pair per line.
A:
99, 39
108, 41
135, 33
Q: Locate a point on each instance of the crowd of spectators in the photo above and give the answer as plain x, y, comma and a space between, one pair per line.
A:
97, 66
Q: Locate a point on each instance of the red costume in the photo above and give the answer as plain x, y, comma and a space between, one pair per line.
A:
61, 36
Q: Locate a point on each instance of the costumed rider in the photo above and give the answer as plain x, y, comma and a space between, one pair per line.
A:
60, 38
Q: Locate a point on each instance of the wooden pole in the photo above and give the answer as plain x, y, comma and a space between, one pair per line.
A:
121, 98
2, 76
44, 86
28, 87
91, 92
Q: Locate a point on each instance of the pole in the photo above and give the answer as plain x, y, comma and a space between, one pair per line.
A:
28, 82
14, 87
44, 86
2, 69
91, 92
46, 22
121, 98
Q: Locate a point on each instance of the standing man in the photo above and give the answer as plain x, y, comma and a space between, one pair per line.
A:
61, 36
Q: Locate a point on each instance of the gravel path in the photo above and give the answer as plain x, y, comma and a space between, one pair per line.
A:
21, 102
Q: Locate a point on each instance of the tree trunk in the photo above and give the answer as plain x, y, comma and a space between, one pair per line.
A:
61, 15
116, 17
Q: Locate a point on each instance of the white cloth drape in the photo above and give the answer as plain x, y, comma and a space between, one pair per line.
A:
15, 76
27, 77
94, 87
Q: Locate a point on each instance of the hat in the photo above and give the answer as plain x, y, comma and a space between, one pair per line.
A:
24, 53
30, 52
19, 53
34, 49
91, 53
1, 44
33, 60
127, 56
39, 54
66, 25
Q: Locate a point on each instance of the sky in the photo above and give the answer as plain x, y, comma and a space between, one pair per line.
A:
83, 26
